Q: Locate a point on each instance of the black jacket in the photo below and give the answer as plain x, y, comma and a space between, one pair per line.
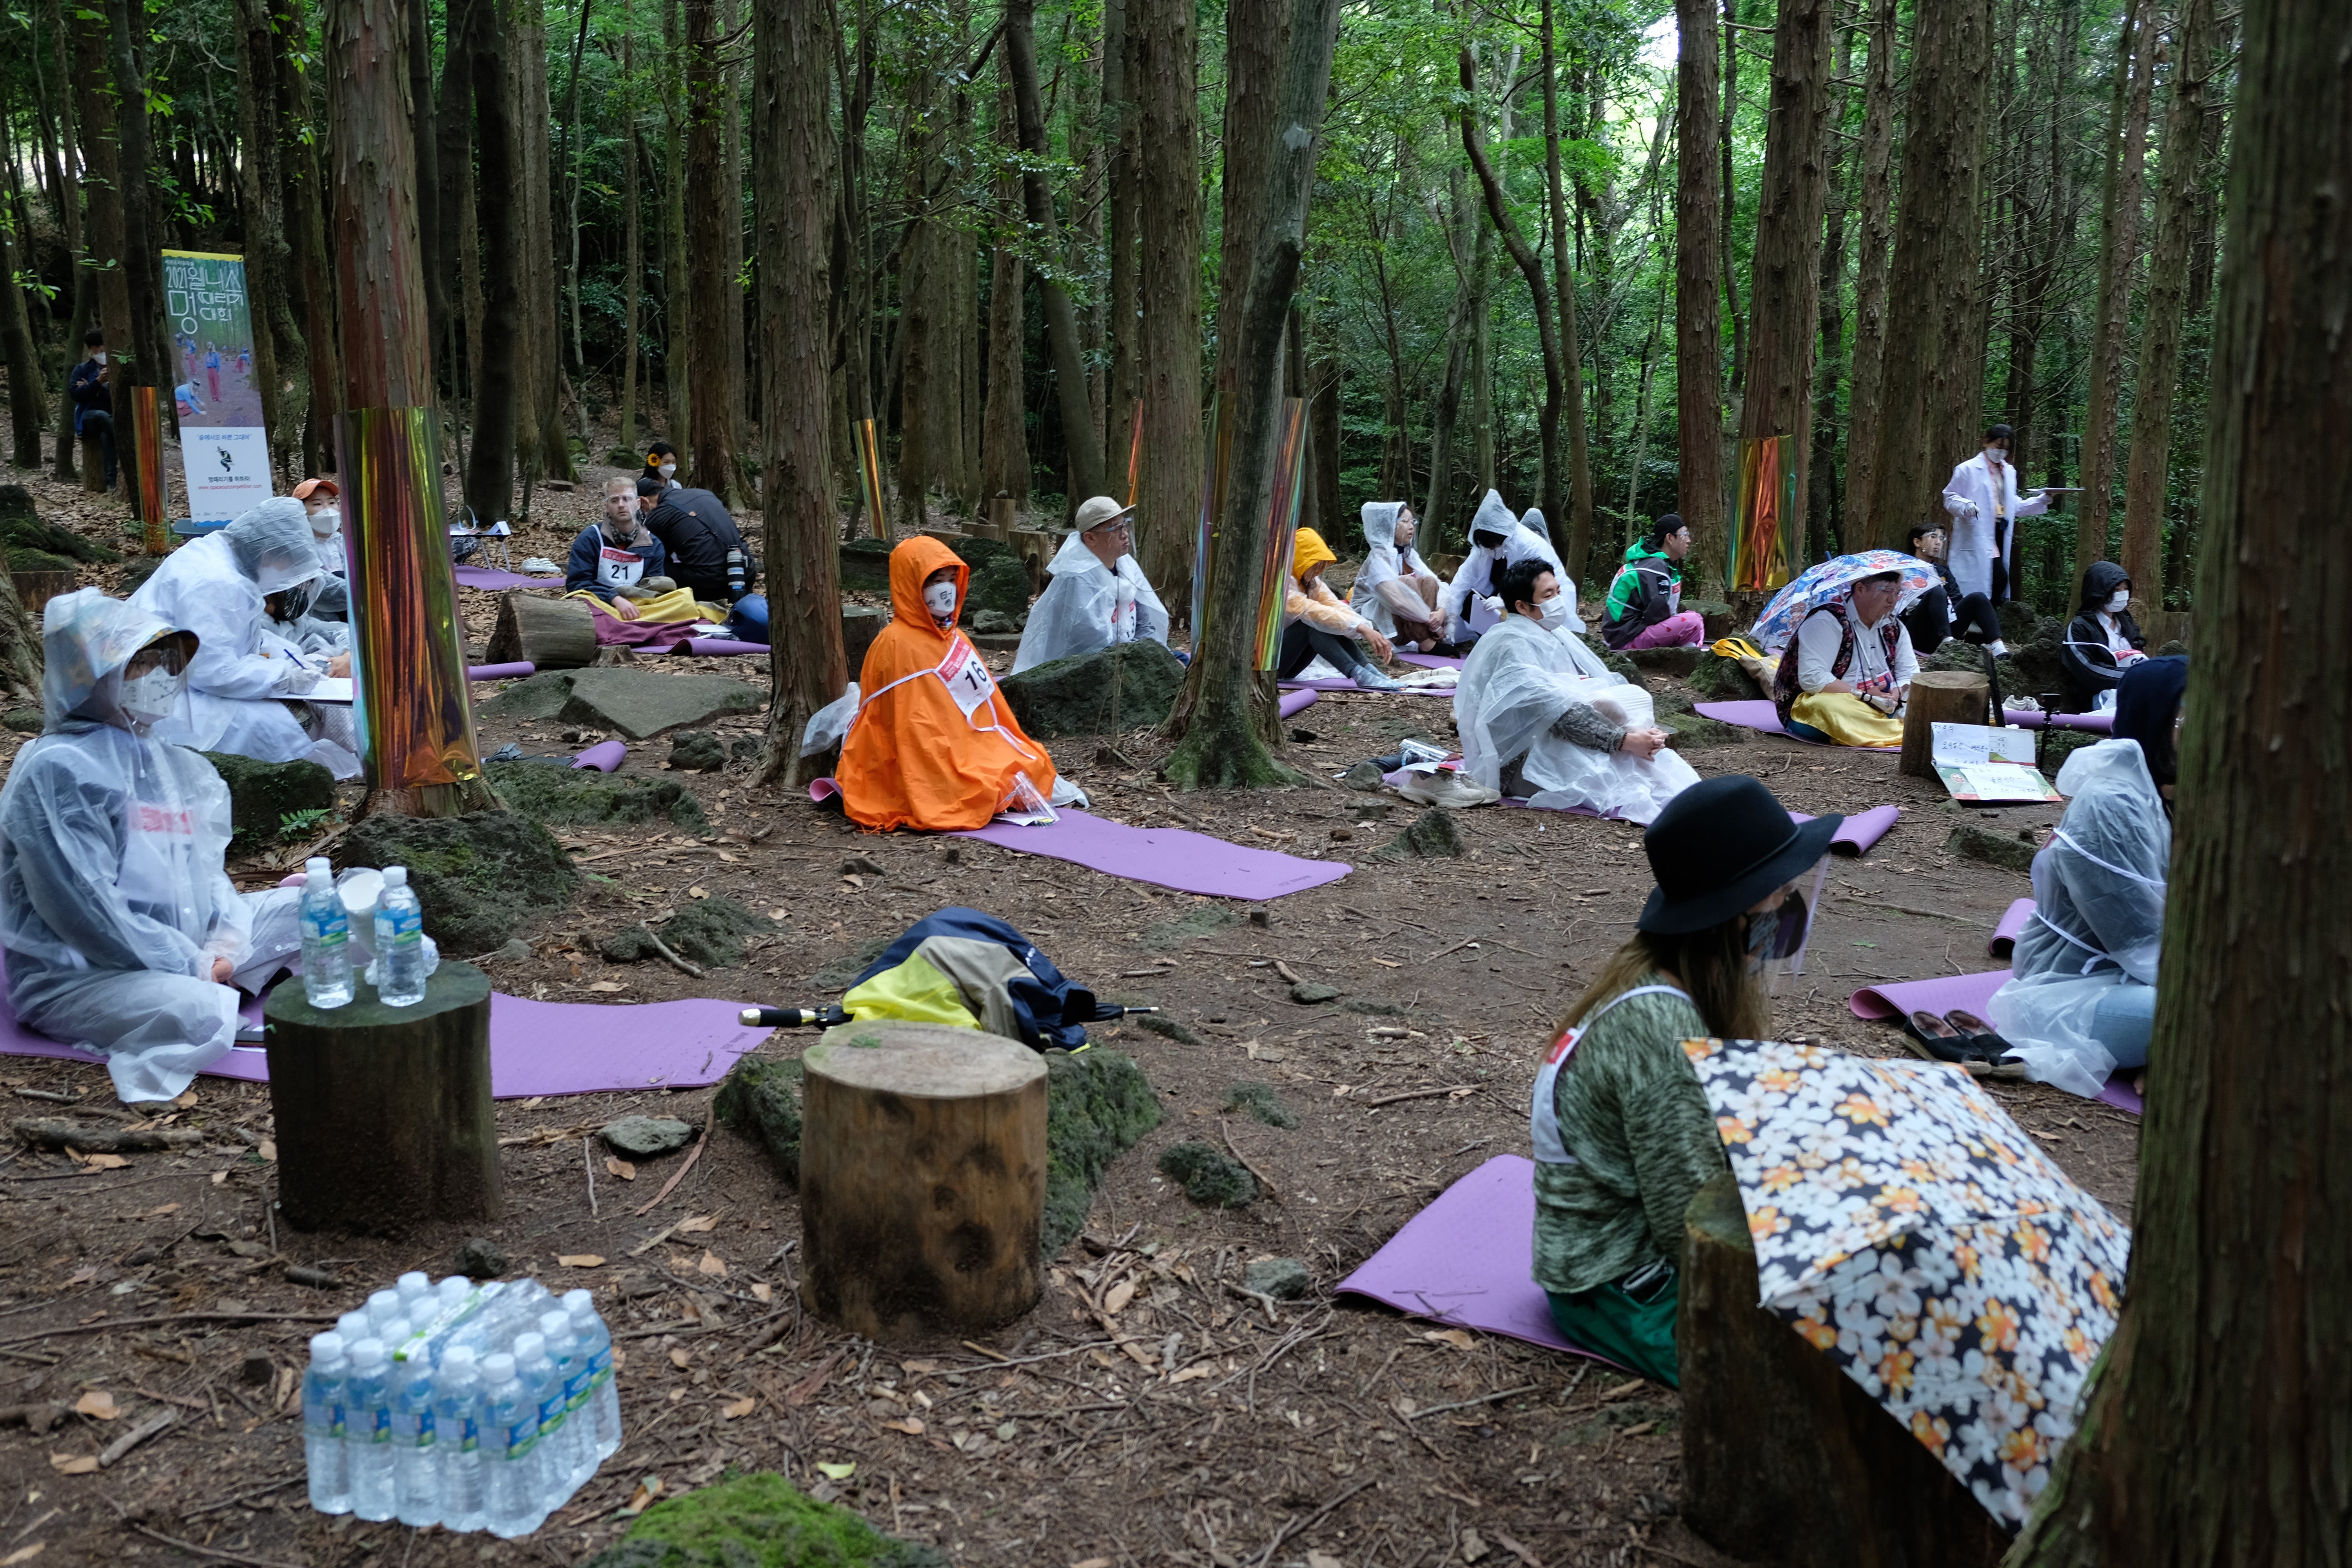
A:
2089, 664
697, 532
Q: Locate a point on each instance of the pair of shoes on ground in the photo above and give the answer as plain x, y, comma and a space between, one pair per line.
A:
1447, 789
1964, 1039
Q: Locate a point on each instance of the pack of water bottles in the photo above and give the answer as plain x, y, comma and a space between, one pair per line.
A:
469, 1406
368, 915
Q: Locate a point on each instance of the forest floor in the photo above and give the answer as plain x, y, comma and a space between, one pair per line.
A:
1327, 1431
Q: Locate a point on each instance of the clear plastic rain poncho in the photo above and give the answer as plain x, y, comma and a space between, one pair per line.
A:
1518, 680
1469, 598
1402, 570
1533, 542
1087, 607
113, 902
2098, 916
240, 684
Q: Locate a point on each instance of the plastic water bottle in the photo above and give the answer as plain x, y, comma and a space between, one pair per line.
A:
550, 1468
457, 1420
509, 1428
367, 1431
326, 939
415, 1473
384, 1306
413, 1288
399, 942
596, 1352
575, 1457
322, 1425
354, 1326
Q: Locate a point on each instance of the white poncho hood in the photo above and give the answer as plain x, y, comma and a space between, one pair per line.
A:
1088, 608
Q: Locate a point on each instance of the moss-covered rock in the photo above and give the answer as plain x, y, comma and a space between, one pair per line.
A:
1160, 1024
1717, 614
1678, 661
865, 564
1001, 585
759, 1520
26, 558
1121, 688
21, 527
2017, 621
480, 877
635, 703
23, 721
979, 551
1692, 732
1725, 680
1431, 836
2006, 850
1261, 1101
760, 1100
708, 931
1162, 935
263, 795
134, 576
1622, 663
1209, 1174
1098, 1104
2057, 746
552, 792
698, 751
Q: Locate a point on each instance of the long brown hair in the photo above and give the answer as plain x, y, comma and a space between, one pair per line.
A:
1712, 966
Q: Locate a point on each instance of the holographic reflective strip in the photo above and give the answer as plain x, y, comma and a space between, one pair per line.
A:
869, 470
1281, 528
147, 434
414, 716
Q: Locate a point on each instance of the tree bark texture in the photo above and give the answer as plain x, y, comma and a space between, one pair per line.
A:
633, 255
1821, 530
1872, 263
793, 47
2167, 301
428, 171
101, 158
1699, 292
281, 366
1785, 295
1167, 512
452, 162
1122, 125
712, 427
141, 236
548, 451
1003, 427
489, 467
678, 271
2211, 1435
27, 387
1929, 402
1577, 551
83, 289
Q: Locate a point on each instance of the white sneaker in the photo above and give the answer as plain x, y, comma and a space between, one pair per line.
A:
1447, 789
1371, 679
1998, 649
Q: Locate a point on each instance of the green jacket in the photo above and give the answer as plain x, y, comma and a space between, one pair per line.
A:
1632, 1111
1646, 590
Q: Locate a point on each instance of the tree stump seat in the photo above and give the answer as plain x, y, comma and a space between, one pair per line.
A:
552, 632
1941, 696
93, 465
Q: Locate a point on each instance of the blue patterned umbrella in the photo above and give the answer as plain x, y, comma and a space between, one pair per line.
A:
1907, 1229
1827, 583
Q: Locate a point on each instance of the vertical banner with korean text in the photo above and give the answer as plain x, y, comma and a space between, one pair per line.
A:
224, 444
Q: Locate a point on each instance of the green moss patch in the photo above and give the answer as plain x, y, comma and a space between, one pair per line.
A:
554, 793
759, 1520
1165, 934
760, 1100
1260, 1100
708, 931
1096, 693
263, 798
1431, 836
1209, 1174
480, 877
1098, 1104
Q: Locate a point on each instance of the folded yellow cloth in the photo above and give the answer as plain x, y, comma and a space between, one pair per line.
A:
678, 605
1847, 719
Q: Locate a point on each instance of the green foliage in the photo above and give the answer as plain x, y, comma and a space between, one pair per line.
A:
1098, 1104
1261, 1101
295, 824
758, 1520
1209, 1175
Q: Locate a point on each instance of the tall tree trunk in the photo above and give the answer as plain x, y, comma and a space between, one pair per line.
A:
1699, 262
567, 161
489, 467
548, 452
632, 248
1078, 441
2046, 214
427, 179
1498, 209
142, 252
677, 286
311, 271
84, 286
1820, 540
1221, 744
1874, 262
1125, 187
1168, 510
27, 388
1003, 430
2207, 1437
281, 359
712, 428
2127, 158
732, 179
1929, 400
1784, 298
2168, 299
1726, 128
454, 163
1577, 549
789, 137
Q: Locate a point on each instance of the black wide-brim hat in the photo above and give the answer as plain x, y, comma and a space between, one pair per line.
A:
1719, 847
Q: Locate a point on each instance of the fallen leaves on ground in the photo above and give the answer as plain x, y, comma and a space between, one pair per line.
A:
620, 1167
580, 1261
743, 1406
73, 1464
97, 1404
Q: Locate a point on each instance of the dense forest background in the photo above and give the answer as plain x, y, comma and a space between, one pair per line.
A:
1507, 248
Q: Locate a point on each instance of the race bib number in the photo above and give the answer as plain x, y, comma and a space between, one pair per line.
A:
968, 679
619, 568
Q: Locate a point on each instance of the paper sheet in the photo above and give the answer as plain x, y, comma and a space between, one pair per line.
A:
331, 688
2001, 780
1957, 745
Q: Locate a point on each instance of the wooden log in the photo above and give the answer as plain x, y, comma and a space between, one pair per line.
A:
35, 589
1036, 549
553, 634
52, 1132
922, 1179
1941, 696
384, 1118
1785, 1458
860, 625
1000, 517
2161, 627
93, 465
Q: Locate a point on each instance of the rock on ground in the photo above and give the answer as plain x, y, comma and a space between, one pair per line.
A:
479, 1258
1723, 680
1284, 1279
1308, 992
1209, 1174
758, 1099
644, 1136
1691, 731
1096, 693
758, 1520
697, 751
1002, 585
708, 931
480, 877
636, 704
551, 793
865, 565
1970, 842
1261, 1101
261, 795
1678, 661
1429, 837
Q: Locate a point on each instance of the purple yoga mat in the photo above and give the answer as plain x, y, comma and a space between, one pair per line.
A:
603, 756
535, 1047
1351, 686
1164, 856
1296, 701
491, 577
719, 646
500, 672
2003, 941
2034, 719
1970, 993
1859, 831
1465, 1259
646, 637
1758, 714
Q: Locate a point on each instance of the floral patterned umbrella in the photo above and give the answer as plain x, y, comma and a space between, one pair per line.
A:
1913, 1234
1823, 584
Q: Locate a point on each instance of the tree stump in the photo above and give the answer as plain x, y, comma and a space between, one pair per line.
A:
1000, 517
1037, 550
383, 1116
93, 465
922, 1179
1785, 1458
1941, 696
860, 625
553, 634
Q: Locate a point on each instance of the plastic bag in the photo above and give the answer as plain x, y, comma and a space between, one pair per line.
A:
359, 887
829, 725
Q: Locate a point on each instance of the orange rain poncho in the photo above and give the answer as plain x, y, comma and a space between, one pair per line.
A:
934, 744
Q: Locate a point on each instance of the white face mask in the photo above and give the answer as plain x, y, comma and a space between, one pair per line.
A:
667, 470
2119, 601
1555, 611
939, 598
325, 520
151, 696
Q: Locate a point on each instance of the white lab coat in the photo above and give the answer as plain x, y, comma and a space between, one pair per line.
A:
1971, 498
1088, 608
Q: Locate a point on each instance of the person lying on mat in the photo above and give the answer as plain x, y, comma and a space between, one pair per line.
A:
1621, 1132
1544, 721
1848, 671
1318, 623
122, 930
1099, 596
1646, 597
1395, 590
1942, 611
934, 744
2102, 642
2081, 998
617, 556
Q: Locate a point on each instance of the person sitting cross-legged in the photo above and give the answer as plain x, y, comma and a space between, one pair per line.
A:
1099, 596
1318, 621
1845, 676
1646, 597
617, 557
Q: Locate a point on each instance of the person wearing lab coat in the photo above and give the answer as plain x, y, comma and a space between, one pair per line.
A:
1474, 601
1099, 596
1540, 724
1395, 589
244, 696
2081, 998
1985, 507
122, 931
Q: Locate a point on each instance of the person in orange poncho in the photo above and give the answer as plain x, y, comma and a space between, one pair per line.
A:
934, 744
